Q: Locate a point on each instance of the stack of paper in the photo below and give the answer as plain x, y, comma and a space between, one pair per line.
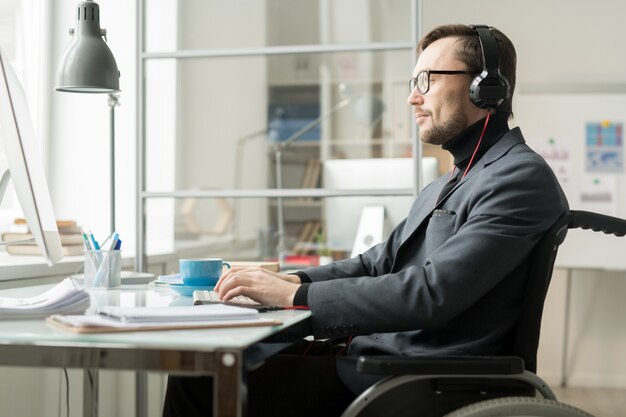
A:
67, 297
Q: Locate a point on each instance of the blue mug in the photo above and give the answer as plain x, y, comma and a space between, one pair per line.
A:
201, 272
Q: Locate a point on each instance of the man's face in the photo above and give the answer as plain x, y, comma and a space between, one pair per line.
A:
445, 110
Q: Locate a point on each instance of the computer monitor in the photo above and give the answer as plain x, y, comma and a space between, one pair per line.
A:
342, 214
25, 164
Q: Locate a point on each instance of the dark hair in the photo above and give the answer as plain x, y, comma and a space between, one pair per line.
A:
469, 52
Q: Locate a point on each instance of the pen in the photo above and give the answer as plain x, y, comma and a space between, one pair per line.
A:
115, 238
86, 242
94, 242
88, 248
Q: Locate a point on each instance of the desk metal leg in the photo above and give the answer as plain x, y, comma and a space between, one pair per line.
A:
141, 394
229, 389
564, 354
90, 393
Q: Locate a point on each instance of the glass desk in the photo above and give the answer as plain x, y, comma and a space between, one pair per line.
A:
224, 353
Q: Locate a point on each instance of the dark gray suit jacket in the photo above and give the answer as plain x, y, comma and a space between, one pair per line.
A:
449, 279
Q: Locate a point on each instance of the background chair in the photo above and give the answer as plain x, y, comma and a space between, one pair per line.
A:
482, 386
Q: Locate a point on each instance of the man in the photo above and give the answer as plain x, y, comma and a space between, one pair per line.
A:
449, 279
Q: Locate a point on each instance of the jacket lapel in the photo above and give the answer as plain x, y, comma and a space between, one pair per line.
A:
421, 212
497, 151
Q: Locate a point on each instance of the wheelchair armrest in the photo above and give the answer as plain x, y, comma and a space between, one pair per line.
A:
597, 222
440, 365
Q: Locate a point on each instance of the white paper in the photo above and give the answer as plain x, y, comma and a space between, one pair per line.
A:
599, 193
67, 297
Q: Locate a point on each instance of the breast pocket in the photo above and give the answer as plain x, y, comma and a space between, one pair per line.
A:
441, 227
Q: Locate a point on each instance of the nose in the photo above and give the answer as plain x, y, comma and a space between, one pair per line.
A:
414, 98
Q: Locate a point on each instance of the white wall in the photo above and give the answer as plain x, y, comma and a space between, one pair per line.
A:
565, 46
559, 41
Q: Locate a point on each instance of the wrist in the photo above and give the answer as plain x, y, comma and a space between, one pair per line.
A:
301, 297
292, 295
303, 277
294, 279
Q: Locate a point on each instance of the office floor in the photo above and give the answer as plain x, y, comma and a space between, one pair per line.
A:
600, 402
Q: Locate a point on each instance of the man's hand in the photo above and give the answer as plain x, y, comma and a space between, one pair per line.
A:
266, 287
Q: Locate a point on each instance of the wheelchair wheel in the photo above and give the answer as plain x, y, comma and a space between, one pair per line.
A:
519, 406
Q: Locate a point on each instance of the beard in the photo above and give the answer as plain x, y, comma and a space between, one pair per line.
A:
438, 135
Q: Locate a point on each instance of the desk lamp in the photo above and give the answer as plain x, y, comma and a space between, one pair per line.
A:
89, 67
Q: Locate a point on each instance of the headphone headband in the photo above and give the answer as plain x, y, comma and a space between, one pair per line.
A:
489, 49
490, 88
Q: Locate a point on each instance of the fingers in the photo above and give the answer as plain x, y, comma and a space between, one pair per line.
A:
255, 271
226, 275
259, 285
243, 277
236, 292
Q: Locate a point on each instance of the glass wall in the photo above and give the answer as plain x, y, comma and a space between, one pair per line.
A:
219, 24
258, 95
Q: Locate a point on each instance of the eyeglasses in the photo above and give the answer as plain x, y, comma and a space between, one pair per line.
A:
422, 81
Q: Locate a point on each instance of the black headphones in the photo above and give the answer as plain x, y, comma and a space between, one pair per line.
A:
490, 88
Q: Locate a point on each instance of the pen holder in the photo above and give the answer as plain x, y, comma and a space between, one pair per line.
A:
103, 269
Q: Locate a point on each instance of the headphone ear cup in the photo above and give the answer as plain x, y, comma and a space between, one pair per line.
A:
488, 91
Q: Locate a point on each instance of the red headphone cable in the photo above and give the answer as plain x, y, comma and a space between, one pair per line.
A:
480, 140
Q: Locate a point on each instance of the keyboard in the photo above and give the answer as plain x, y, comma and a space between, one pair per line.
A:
207, 297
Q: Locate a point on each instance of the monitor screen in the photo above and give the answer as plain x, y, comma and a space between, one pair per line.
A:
342, 214
25, 164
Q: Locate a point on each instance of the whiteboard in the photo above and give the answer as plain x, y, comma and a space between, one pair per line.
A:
559, 121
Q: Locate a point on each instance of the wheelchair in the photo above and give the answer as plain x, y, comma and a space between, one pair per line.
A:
482, 386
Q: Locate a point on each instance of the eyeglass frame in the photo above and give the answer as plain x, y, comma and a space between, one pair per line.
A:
413, 81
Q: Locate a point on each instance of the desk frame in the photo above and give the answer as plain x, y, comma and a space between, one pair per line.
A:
227, 365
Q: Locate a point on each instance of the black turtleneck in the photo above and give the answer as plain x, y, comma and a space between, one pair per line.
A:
462, 146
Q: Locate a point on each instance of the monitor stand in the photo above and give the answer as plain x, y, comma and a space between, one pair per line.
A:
4, 184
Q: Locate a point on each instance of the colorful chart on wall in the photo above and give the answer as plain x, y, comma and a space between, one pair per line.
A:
604, 146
